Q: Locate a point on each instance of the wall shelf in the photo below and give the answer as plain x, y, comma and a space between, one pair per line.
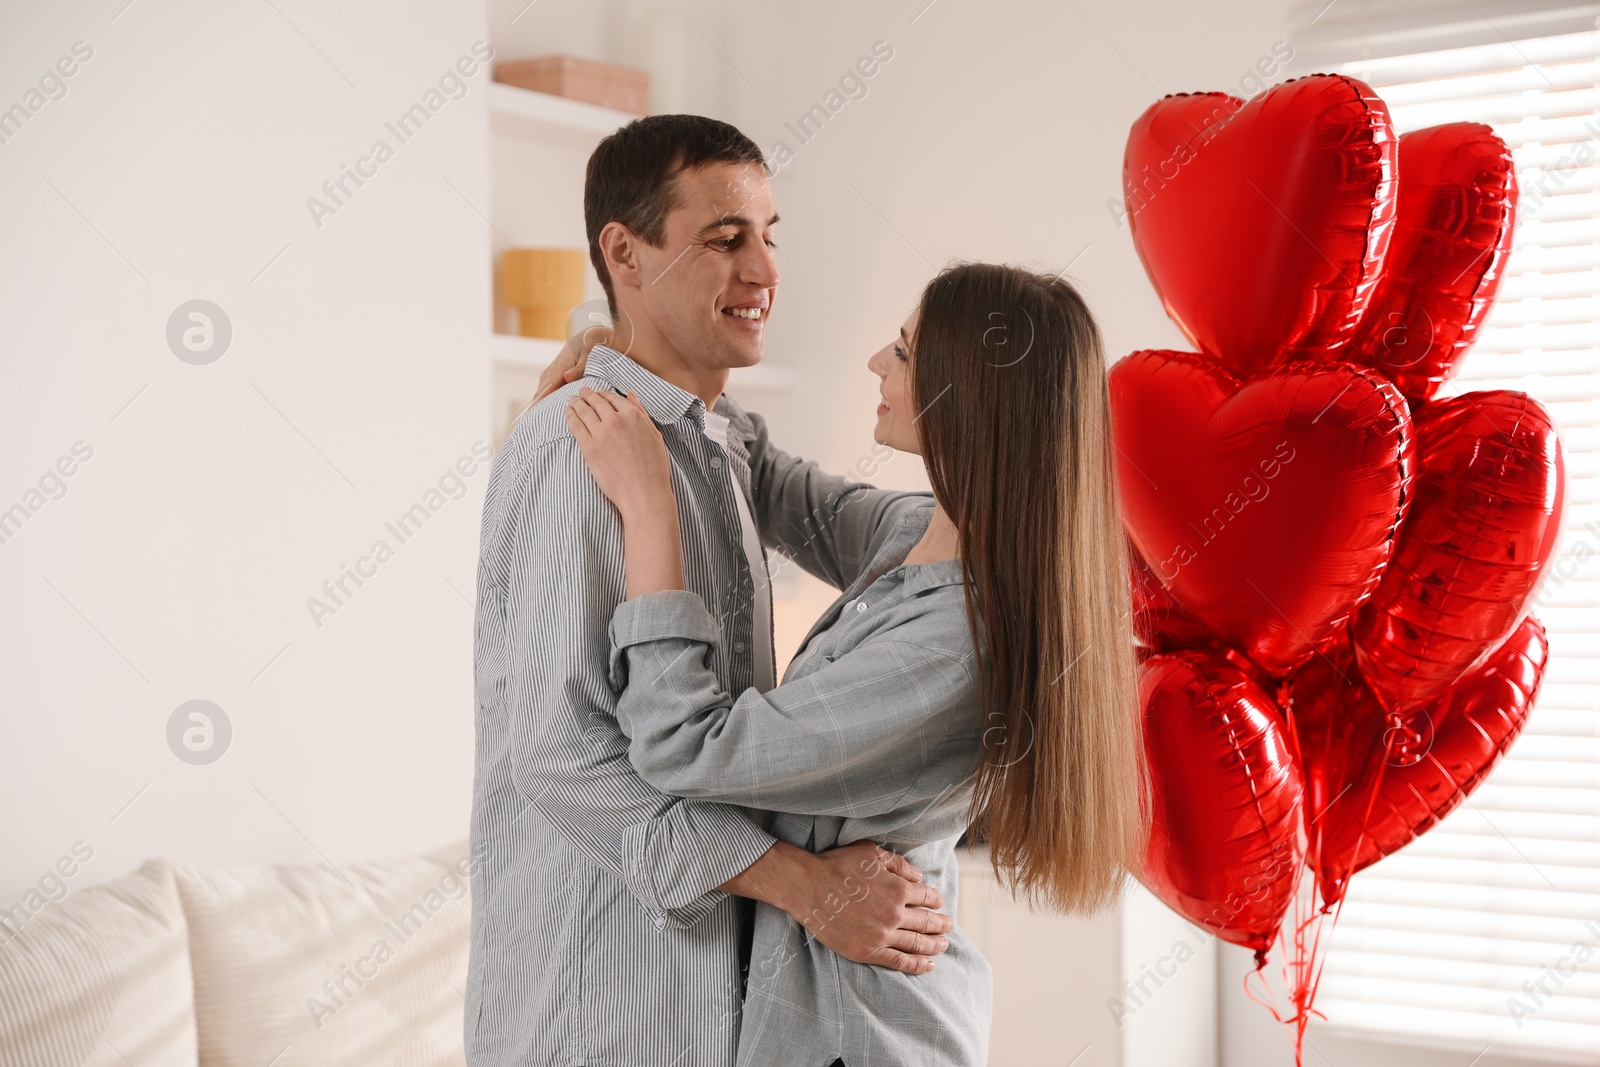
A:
517, 351
525, 113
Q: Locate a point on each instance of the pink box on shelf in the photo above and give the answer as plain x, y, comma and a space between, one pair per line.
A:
619, 88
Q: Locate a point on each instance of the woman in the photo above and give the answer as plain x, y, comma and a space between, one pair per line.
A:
977, 670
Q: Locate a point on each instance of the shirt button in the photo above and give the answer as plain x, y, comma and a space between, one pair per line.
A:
716, 462
860, 607
738, 646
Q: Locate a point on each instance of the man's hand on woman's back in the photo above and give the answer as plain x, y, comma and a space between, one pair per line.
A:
865, 903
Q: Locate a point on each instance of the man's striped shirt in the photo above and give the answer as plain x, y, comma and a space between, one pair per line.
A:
598, 936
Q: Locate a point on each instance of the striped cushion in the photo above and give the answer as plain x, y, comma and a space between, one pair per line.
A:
360, 964
100, 977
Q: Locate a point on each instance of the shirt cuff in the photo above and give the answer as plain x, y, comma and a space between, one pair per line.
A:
672, 614
676, 877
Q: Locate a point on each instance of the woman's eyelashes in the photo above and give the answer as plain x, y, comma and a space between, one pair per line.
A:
899, 353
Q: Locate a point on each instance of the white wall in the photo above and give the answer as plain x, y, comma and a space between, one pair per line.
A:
1051, 975
219, 497
1166, 1003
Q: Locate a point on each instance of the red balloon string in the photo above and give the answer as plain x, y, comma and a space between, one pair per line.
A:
1303, 964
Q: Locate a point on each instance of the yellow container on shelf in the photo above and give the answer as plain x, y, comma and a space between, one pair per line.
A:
544, 285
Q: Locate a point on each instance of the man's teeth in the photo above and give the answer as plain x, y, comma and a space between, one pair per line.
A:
744, 313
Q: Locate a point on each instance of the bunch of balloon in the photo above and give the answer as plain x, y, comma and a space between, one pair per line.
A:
1332, 567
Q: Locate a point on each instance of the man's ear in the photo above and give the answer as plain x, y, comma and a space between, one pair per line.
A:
620, 246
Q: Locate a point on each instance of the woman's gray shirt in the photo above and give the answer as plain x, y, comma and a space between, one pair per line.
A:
874, 734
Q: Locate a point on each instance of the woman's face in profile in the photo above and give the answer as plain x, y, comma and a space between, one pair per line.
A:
896, 426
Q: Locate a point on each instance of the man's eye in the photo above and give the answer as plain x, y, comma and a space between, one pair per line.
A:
725, 243
771, 243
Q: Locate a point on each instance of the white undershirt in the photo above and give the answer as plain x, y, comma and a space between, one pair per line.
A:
761, 624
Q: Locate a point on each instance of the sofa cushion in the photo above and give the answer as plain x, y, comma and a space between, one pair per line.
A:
358, 964
100, 977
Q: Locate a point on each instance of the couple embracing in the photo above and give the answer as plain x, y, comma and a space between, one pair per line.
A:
685, 861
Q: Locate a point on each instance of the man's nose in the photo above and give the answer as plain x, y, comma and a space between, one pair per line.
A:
762, 268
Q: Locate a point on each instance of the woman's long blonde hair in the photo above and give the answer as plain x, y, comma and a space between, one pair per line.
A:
1008, 372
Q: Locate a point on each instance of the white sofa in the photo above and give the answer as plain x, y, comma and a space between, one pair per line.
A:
288, 966
282, 967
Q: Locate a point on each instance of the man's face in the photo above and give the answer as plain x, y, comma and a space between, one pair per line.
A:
707, 291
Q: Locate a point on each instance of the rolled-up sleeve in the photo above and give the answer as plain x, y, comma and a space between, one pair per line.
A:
570, 754
830, 525
888, 724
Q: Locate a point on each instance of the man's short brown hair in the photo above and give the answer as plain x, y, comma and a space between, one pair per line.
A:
631, 176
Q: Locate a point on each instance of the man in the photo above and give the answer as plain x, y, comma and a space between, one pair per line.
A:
608, 928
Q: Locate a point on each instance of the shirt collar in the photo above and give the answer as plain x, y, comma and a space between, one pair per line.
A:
665, 402
716, 427
922, 576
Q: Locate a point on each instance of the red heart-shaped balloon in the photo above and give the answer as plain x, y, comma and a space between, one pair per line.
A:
1159, 621
1339, 733
1452, 234
1226, 841
1485, 510
1376, 782
1268, 508
1263, 225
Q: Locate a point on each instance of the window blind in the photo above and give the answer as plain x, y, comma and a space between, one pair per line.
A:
1485, 933
1327, 33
